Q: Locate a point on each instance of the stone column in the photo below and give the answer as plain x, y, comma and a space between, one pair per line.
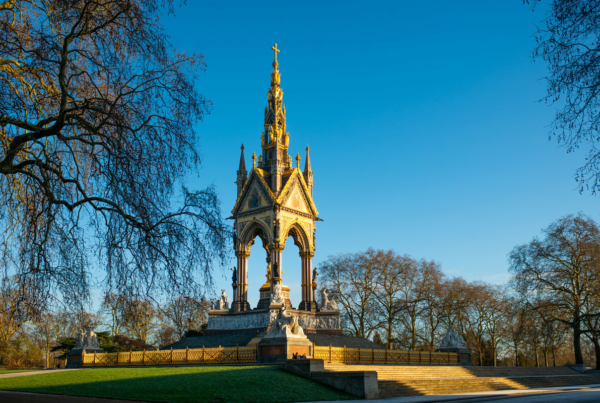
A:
308, 302
276, 250
241, 299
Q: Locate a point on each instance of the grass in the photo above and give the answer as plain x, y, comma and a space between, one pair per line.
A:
180, 384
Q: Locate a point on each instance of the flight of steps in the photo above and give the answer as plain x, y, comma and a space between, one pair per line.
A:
395, 380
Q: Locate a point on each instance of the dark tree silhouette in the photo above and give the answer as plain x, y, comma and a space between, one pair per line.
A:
97, 131
568, 41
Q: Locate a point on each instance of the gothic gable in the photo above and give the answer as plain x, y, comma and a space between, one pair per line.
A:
295, 195
296, 201
255, 195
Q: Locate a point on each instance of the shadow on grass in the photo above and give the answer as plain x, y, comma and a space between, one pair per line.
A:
180, 384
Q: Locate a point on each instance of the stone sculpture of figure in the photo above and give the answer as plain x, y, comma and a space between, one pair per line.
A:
276, 271
234, 275
277, 297
314, 277
327, 304
285, 326
452, 339
223, 301
80, 339
276, 228
87, 338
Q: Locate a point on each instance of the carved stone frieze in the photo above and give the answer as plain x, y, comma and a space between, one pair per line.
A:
265, 318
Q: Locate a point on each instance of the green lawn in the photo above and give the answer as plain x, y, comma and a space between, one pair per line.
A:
180, 384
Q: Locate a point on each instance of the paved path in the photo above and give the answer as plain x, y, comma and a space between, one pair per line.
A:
22, 397
567, 393
46, 371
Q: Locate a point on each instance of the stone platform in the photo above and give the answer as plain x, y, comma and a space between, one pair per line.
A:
252, 339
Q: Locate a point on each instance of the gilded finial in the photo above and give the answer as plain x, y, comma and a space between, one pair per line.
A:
253, 160
298, 161
275, 64
307, 149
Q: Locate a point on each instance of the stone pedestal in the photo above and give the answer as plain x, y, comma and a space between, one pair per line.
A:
281, 349
75, 356
237, 306
311, 306
464, 354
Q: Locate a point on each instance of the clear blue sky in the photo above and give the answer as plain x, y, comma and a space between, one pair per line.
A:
422, 118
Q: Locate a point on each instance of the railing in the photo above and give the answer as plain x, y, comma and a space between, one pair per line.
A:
220, 355
380, 356
234, 355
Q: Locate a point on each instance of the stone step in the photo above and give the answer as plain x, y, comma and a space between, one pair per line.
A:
416, 387
435, 372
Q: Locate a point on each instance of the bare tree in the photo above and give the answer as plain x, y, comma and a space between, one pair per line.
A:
390, 267
415, 282
47, 330
515, 327
97, 131
16, 308
352, 280
186, 313
141, 319
114, 309
568, 41
494, 317
561, 271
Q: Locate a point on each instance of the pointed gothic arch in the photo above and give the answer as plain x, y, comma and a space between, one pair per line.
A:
299, 235
256, 228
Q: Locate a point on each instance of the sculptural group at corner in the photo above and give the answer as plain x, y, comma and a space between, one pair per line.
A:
285, 325
87, 338
327, 303
452, 340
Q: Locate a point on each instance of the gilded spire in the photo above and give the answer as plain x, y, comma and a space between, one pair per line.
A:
274, 125
274, 139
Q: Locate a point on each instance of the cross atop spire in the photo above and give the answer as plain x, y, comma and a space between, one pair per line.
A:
275, 64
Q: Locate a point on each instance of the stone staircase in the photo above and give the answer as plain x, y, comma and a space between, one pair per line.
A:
395, 380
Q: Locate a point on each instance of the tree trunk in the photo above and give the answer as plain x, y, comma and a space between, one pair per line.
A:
596, 342
389, 335
545, 351
537, 358
577, 343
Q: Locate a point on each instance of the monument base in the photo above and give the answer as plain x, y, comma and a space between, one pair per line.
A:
281, 349
308, 306
238, 306
75, 356
464, 354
